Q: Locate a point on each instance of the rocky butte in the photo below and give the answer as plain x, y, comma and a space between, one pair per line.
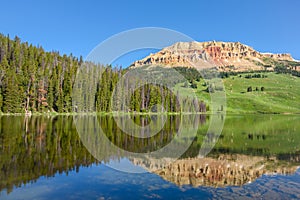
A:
225, 56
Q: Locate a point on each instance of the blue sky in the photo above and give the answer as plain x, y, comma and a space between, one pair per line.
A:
78, 26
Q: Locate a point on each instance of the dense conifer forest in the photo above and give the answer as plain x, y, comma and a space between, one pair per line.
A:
34, 80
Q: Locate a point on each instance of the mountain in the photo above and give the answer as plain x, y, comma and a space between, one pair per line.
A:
226, 56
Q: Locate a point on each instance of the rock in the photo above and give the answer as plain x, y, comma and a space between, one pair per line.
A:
226, 56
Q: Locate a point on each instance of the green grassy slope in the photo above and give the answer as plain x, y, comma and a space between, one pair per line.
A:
281, 93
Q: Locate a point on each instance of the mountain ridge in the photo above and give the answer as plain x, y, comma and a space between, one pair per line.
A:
226, 56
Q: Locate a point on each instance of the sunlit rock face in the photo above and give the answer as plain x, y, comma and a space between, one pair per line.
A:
226, 56
226, 170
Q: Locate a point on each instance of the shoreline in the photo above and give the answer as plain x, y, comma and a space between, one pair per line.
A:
146, 113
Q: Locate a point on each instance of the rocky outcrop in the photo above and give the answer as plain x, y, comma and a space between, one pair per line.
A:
226, 170
226, 56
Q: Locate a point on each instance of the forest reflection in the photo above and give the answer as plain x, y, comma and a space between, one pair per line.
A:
36, 146
31, 147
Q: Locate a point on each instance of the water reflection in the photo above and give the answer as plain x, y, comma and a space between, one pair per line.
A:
38, 146
226, 170
105, 136
250, 146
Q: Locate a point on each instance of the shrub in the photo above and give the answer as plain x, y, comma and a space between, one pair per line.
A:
249, 89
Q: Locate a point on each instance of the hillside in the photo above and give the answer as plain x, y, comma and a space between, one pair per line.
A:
270, 92
254, 82
225, 56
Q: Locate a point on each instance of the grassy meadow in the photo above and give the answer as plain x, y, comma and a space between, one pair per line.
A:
280, 93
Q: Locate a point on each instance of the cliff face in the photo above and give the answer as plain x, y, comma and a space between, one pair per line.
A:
227, 56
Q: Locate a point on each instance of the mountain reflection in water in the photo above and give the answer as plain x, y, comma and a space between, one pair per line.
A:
249, 146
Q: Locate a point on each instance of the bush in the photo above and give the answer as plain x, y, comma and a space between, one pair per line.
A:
249, 89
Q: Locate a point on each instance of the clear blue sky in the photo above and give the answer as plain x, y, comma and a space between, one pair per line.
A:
78, 26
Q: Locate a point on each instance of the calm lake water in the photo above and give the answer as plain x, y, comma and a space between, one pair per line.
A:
255, 156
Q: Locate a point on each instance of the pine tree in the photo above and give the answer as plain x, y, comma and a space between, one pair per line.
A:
12, 94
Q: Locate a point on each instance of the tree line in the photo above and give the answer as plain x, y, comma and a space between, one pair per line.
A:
34, 80
292, 69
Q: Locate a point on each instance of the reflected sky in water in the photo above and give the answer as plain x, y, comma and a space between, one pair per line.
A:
43, 158
102, 182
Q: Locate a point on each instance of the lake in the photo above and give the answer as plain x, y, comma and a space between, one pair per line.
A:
178, 156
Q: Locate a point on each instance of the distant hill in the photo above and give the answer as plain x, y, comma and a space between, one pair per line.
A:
225, 56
